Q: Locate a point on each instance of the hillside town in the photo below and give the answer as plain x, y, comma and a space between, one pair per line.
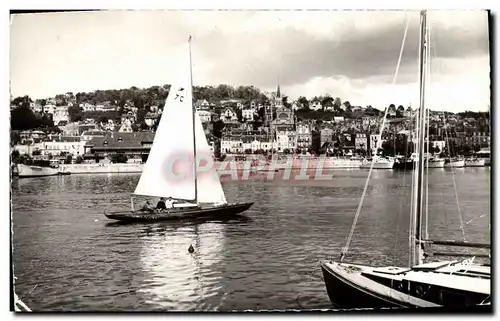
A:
86, 128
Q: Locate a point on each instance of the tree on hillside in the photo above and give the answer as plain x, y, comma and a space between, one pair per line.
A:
75, 113
15, 138
337, 103
286, 103
103, 119
23, 118
304, 102
24, 101
327, 101
218, 127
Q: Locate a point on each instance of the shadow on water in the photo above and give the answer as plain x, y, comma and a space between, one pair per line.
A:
235, 219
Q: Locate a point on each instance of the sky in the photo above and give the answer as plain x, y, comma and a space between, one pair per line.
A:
348, 54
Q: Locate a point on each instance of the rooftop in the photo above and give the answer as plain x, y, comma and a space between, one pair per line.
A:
122, 140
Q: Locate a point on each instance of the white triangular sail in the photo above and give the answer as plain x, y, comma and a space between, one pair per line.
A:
209, 186
169, 170
172, 150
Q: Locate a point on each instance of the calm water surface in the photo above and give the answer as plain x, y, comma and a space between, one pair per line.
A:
69, 256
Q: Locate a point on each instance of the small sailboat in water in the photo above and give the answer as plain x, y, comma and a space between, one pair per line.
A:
180, 164
455, 284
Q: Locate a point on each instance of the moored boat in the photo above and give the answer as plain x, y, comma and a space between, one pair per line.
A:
36, 170
485, 154
433, 162
404, 163
454, 163
452, 284
475, 162
378, 163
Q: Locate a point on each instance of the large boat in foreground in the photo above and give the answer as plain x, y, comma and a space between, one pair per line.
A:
174, 166
454, 284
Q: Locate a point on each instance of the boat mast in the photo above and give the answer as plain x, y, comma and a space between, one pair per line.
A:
421, 143
194, 126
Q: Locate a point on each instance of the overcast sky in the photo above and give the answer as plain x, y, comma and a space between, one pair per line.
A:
348, 54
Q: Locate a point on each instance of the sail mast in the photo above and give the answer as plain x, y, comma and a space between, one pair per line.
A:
421, 138
194, 131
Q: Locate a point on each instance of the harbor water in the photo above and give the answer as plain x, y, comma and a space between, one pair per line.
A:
69, 257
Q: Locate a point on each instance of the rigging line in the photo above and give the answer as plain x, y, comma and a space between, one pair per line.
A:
358, 211
400, 212
429, 68
455, 191
410, 230
414, 199
462, 227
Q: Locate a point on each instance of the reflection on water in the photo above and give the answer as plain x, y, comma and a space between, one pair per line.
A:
196, 279
68, 256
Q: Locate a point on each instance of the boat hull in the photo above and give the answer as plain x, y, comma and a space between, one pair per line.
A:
475, 163
378, 165
25, 171
223, 211
346, 295
428, 285
404, 165
455, 164
436, 164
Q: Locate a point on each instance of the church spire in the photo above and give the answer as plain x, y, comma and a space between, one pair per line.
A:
278, 93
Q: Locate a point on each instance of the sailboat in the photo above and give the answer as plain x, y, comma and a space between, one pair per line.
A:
455, 284
173, 168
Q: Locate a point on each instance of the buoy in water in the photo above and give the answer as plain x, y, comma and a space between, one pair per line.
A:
191, 249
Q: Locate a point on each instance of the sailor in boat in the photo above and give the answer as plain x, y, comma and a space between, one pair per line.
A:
161, 204
148, 207
169, 204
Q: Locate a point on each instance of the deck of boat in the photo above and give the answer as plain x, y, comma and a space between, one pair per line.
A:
222, 211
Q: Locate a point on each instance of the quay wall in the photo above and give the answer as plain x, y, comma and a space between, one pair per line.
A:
101, 168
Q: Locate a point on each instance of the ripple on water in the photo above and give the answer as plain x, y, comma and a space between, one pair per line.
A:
65, 260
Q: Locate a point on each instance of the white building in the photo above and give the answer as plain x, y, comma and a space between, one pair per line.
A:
296, 106
88, 135
202, 104
286, 140
205, 116
375, 143
361, 142
87, 107
126, 126
248, 114
60, 114
316, 105
231, 145
57, 146
441, 144
49, 108
109, 125
229, 115
304, 136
